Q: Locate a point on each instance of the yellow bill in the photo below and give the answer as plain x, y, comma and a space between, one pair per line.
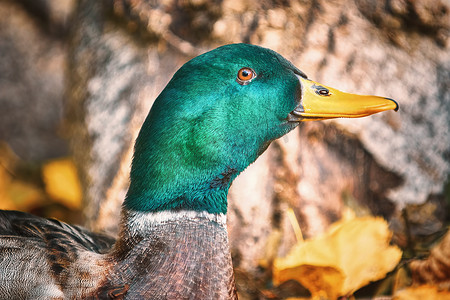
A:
320, 102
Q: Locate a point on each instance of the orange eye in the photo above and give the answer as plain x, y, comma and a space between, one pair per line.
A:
245, 75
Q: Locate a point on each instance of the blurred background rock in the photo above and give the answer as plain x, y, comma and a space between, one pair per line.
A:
77, 78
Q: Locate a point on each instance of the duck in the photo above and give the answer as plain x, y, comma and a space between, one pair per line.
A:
217, 114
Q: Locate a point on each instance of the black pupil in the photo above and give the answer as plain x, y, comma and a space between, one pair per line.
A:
245, 73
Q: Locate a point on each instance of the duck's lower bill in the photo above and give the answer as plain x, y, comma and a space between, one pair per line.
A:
319, 102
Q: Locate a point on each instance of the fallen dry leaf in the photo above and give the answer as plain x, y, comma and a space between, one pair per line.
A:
423, 292
15, 194
349, 255
436, 268
62, 183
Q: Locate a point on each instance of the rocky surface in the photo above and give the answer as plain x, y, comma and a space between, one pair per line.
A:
32, 68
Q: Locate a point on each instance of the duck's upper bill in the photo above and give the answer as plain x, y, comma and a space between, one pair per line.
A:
319, 102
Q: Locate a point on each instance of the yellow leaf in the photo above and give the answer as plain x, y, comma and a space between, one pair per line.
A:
323, 282
15, 194
350, 255
62, 183
422, 292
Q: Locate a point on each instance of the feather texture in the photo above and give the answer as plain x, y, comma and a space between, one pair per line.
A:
163, 255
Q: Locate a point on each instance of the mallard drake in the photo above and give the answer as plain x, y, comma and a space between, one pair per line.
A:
217, 114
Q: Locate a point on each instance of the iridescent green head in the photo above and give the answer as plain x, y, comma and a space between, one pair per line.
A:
217, 114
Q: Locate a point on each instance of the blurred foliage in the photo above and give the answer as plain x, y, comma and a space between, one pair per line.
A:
48, 189
16, 193
62, 183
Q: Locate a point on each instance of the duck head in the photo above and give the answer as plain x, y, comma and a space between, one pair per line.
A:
218, 113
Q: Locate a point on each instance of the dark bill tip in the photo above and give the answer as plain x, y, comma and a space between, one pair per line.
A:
396, 104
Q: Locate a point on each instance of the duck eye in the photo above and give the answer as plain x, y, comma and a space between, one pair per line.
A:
245, 75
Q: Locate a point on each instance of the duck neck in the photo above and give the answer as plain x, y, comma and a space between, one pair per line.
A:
171, 254
164, 180
187, 164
